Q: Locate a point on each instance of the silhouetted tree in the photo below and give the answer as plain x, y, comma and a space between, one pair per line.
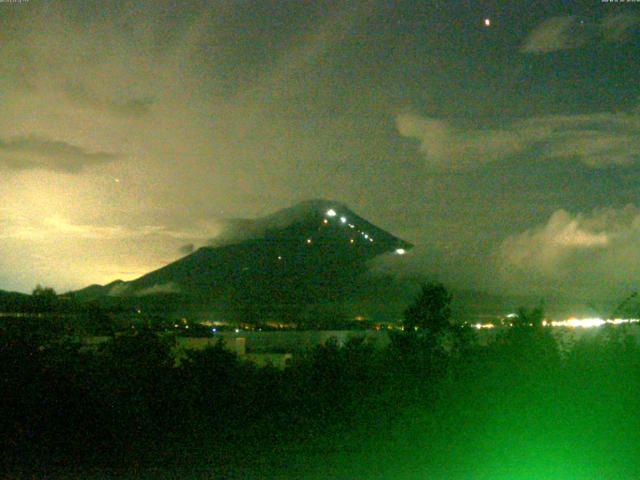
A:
431, 310
44, 299
529, 318
529, 340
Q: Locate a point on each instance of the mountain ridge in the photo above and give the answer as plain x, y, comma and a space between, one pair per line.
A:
313, 252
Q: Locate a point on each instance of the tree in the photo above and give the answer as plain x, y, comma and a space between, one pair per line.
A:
528, 339
431, 310
44, 299
530, 318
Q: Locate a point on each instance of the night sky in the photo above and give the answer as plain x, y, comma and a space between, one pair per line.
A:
501, 138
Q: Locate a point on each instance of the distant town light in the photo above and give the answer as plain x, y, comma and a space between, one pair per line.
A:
366, 236
325, 221
343, 219
331, 213
308, 240
351, 225
279, 257
479, 326
400, 251
351, 240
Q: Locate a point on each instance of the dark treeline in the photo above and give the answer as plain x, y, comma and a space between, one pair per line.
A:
436, 403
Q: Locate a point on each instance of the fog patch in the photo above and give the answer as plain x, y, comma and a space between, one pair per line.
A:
169, 287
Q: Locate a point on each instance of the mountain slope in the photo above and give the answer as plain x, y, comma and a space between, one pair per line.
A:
313, 252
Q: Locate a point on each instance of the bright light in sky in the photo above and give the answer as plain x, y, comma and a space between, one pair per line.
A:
331, 213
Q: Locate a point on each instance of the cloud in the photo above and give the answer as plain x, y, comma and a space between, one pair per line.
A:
597, 140
121, 289
448, 148
36, 152
556, 33
118, 290
598, 251
210, 126
18, 227
169, 287
568, 32
237, 230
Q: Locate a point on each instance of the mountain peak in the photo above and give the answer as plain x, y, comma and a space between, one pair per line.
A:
312, 250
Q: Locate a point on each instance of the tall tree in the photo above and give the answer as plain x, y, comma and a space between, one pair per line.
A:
431, 310
44, 299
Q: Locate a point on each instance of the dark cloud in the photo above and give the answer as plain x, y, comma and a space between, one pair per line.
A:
34, 152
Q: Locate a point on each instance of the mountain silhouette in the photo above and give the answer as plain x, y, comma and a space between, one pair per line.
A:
311, 253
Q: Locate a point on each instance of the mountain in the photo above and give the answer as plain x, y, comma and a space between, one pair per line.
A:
312, 254
14, 302
96, 291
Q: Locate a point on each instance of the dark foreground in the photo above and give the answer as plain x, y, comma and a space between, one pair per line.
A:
515, 409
